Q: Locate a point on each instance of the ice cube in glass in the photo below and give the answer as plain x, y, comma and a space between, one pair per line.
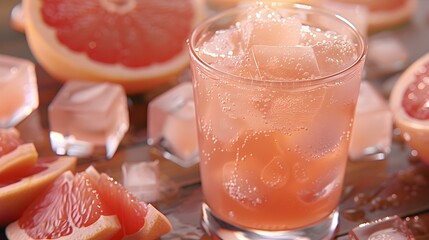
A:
172, 126
372, 127
142, 178
387, 228
18, 90
88, 118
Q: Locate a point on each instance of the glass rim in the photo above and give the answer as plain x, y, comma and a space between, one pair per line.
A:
192, 41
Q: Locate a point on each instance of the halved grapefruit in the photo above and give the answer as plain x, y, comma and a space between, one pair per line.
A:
18, 190
385, 14
138, 44
409, 102
88, 205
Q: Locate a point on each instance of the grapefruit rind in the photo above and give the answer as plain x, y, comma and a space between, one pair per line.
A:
63, 64
16, 197
23, 157
414, 131
156, 225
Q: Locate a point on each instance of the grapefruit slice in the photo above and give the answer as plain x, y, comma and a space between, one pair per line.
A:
15, 155
91, 206
409, 102
18, 160
17, 191
70, 208
138, 44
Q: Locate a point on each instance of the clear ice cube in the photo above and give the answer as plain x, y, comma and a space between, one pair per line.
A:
172, 126
271, 32
88, 118
373, 123
322, 187
18, 90
142, 179
218, 115
334, 55
223, 44
392, 227
241, 184
285, 62
386, 55
275, 174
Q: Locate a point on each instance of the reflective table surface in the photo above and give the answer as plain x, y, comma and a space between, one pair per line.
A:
397, 185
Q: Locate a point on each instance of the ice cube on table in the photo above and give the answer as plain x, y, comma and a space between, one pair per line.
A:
142, 178
88, 118
383, 229
18, 90
373, 123
285, 62
172, 126
386, 55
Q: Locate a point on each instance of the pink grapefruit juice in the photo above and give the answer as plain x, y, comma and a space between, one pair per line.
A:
275, 99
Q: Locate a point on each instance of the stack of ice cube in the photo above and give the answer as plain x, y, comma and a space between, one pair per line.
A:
266, 44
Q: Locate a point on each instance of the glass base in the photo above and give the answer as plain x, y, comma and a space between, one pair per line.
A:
219, 229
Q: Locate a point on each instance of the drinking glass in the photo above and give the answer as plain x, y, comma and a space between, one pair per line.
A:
273, 150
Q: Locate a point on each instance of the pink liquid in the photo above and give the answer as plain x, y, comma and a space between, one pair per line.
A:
273, 149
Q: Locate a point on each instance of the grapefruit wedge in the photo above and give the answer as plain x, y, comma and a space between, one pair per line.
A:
138, 44
409, 102
88, 205
18, 190
15, 155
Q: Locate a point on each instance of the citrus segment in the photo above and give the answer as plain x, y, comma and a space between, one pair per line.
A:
416, 97
138, 44
131, 212
156, 225
128, 24
16, 194
9, 140
74, 202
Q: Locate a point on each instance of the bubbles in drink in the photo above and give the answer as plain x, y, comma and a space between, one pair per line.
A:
279, 46
334, 55
242, 184
276, 173
279, 32
321, 188
285, 62
222, 45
